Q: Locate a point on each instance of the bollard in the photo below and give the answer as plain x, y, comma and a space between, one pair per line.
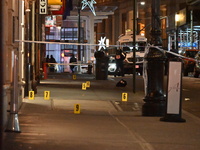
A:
154, 61
13, 122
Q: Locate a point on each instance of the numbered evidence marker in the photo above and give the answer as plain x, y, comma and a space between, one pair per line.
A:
83, 86
87, 84
124, 97
77, 109
46, 95
31, 95
74, 77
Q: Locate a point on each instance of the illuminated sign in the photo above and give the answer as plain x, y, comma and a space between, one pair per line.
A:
43, 7
102, 43
89, 4
54, 2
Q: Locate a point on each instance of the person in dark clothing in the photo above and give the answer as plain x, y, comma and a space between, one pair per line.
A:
72, 60
119, 58
47, 59
52, 66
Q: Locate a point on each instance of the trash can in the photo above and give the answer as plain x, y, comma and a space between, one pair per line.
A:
101, 65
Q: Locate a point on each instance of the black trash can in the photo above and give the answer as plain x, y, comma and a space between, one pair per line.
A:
101, 65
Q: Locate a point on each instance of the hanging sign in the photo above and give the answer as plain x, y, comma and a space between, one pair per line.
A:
43, 7
102, 43
90, 4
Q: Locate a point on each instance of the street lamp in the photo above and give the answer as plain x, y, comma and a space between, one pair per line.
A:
134, 36
79, 29
135, 31
177, 19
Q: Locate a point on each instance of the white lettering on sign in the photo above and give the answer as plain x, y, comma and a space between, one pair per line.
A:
43, 7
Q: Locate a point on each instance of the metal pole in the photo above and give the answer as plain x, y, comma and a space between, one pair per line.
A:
34, 84
192, 29
134, 37
156, 23
27, 52
79, 30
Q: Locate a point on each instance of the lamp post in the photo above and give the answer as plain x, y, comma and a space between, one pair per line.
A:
79, 29
154, 61
134, 36
27, 52
177, 19
135, 32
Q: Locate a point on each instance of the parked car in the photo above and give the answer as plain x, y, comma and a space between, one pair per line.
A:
189, 62
128, 66
197, 65
111, 65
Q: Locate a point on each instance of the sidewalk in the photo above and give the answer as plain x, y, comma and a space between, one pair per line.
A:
102, 124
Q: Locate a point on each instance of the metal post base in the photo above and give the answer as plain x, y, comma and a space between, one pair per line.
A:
153, 109
172, 118
13, 124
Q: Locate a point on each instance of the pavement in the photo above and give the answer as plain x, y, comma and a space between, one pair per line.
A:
96, 119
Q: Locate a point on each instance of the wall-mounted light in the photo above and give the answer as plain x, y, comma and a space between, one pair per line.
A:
27, 10
177, 17
142, 3
107, 42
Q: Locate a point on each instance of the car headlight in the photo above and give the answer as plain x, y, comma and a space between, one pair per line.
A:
112, 67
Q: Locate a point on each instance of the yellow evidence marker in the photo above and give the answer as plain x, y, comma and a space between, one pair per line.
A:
46, 95
87, 84
83, 86
74, 77
31, 95
124, 97
77, 109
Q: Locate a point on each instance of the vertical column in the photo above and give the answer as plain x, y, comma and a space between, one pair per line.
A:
1, 75
154, 60
156, 23
91, 35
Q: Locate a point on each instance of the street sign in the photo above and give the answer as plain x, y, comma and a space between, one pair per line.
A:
43, 7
